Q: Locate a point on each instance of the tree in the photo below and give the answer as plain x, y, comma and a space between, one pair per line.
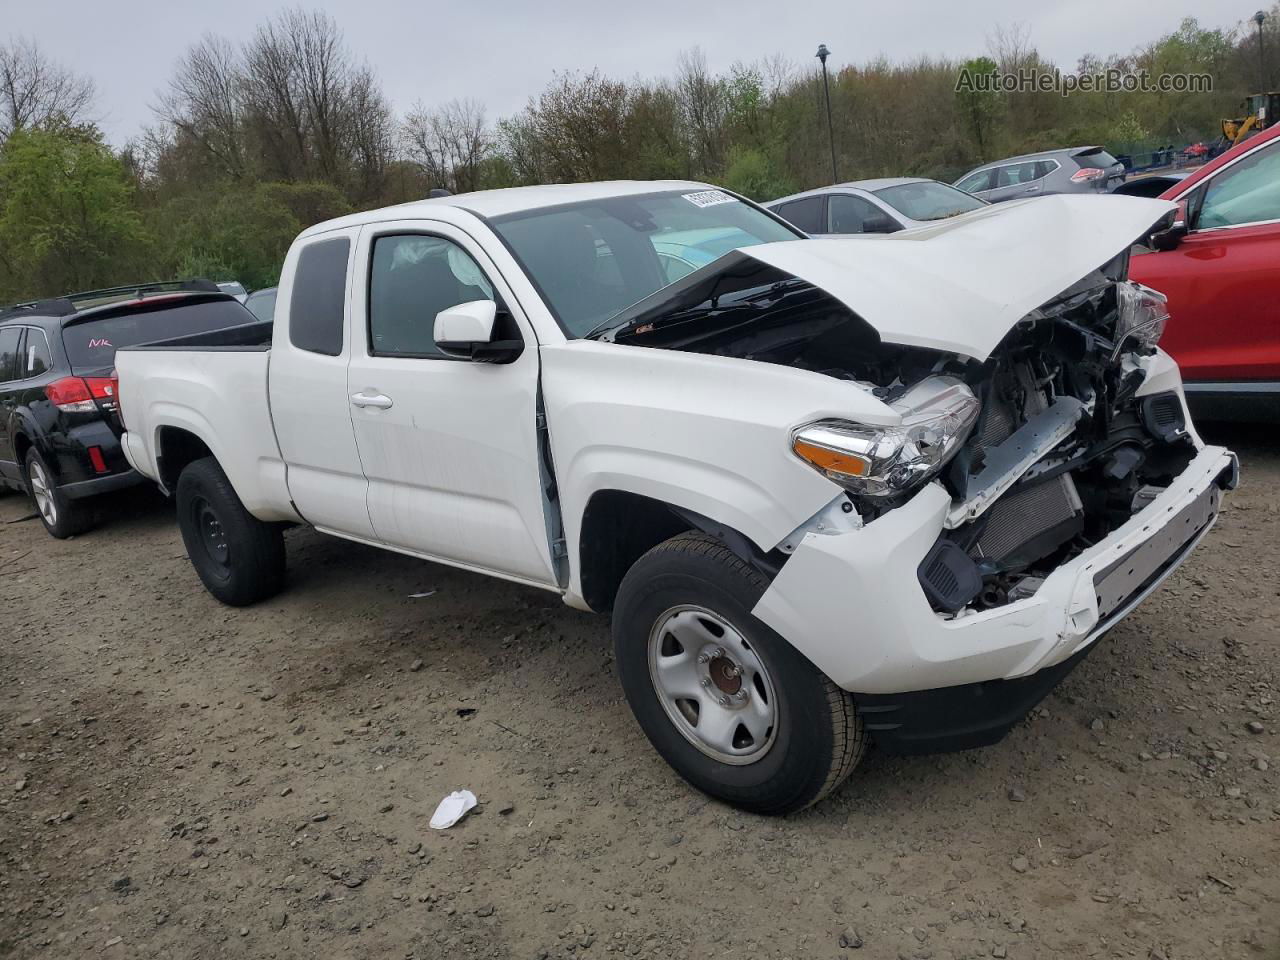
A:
450, 144
35, 92
203, 102
978, 107
67, 214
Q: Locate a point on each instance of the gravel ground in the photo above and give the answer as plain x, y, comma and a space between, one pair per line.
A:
179, 779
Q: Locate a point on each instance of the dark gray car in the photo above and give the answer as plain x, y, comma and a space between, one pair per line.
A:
1075, 170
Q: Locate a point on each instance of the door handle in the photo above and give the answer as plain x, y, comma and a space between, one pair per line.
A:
377, 400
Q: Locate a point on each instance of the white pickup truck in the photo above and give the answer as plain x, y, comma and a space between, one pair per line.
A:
888, 488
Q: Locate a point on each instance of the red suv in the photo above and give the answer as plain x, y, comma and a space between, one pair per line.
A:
1219, 265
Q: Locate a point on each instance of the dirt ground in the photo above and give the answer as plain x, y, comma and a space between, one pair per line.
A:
179, 779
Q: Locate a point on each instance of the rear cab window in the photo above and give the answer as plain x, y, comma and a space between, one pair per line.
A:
91, 343
317, 303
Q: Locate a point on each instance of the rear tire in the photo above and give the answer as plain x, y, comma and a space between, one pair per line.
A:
733, 707
62, 517
239, 558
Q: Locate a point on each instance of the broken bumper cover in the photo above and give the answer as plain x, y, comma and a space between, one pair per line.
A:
853, 605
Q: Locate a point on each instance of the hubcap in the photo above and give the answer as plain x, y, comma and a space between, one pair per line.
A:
712, 685
212, 537
42, 491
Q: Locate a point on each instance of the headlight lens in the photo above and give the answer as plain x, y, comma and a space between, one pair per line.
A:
1142, 316
937, 415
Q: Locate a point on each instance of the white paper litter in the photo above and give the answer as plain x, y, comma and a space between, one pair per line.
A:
419, 596
452, 809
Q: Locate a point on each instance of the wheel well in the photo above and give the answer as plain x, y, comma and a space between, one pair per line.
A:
618, 528
21, 444
176, 449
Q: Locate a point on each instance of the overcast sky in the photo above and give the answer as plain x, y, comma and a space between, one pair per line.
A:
502, 51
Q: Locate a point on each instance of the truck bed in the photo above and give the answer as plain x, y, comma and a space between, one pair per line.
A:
214, 387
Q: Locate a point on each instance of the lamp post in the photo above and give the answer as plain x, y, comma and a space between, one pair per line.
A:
1258, 18
822, 55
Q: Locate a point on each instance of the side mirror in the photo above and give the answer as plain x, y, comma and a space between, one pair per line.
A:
1168, 238
467, 331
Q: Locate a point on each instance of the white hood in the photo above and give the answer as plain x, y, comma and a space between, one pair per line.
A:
959, 285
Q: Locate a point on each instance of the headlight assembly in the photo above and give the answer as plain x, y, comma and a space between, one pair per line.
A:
937, 415
1143, 313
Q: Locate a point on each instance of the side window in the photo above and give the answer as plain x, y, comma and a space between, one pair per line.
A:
411, 279
1246, 192
1016, 173
9, 338
851, 214
1044, 168
976, 182
809, 214
35, 354
319, 297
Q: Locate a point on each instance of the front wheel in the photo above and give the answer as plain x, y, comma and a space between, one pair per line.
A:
734, 708
240, 559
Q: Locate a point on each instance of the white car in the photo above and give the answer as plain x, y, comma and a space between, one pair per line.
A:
886, 205
888, 489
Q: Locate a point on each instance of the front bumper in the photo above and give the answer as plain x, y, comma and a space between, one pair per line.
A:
852, 604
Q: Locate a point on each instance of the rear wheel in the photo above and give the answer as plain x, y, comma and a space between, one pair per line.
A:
239, 558
61, 516
733, 707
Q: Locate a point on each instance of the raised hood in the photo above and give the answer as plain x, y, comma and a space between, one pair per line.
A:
958, 285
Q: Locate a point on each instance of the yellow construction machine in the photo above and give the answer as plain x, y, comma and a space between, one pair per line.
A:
1262, 110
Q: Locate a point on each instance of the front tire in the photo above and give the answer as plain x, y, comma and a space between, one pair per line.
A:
733, 707
62, 517
239, 558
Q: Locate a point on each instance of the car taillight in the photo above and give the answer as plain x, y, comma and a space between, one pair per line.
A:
1085, 174
78, 394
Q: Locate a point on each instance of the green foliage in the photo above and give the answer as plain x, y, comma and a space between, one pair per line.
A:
978, 108
240, 231
67, 215
751, 173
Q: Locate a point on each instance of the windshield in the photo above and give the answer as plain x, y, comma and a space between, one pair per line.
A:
591, 260
929, 200
92, 344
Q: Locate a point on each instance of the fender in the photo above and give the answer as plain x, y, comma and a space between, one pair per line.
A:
707, 435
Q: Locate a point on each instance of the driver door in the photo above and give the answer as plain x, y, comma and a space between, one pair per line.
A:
449, 446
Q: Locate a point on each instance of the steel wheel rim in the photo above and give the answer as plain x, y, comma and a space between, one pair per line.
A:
693, 653
42, 492
212, 537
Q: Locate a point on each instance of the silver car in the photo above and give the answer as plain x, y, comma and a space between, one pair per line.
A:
886, 205
1075, 170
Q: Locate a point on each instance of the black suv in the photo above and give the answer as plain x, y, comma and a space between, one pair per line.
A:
59, 428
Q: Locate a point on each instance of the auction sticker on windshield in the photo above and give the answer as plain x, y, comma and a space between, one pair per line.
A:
708, 198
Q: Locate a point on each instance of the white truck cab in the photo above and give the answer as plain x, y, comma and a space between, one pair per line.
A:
887, 488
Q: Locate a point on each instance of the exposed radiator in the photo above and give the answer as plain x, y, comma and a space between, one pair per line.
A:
1022, 515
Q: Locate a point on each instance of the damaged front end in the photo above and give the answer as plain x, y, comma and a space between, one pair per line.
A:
1066, 449
1047, 438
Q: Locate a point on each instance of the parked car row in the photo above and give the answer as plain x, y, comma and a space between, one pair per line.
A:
1219, 265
